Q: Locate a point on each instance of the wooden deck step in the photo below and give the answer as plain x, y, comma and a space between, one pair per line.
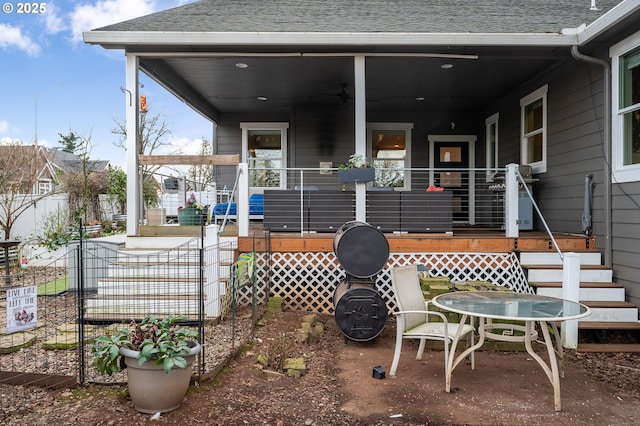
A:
608, 304
558, 284
560, 266
588, 291
608, 347
554, 273
611, 311
608, 325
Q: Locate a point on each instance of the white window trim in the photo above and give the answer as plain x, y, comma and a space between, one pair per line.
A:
619, 172
42, 182
541, 93
283, 127
488, 122
407, 128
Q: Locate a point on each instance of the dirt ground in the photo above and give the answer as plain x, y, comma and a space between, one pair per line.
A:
506, 388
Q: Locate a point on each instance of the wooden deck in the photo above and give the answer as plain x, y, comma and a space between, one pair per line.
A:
463, 240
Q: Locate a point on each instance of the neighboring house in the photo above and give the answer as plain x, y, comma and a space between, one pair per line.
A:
66, 162
28, 169
551, 84
37, 172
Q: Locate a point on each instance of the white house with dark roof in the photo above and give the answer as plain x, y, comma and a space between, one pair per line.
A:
554, 85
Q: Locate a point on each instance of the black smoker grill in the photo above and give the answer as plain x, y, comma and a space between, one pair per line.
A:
362, 250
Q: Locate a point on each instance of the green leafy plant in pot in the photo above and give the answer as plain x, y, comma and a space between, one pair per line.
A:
357, 169
157, 355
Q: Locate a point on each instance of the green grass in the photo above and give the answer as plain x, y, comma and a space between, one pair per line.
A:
53, 287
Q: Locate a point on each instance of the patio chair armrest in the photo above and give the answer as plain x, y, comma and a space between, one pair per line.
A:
425, 312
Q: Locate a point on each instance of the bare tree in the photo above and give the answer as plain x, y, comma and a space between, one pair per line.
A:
202, 175
152, 136
85, 180
153, 133
21, 168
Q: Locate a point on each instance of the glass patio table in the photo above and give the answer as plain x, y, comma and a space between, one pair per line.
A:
534, 310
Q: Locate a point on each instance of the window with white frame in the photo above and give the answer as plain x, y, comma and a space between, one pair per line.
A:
491, 125
533, 130
625, 131
264, 149
389, 148
44, 187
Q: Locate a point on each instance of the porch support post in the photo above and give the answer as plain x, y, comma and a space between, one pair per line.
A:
134, 194
570, 291
511, 202
360, 131
242, 200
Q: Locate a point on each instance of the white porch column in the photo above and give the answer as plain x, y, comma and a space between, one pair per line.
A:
134, 194
242, 200
570, 291
511, 202
360, 131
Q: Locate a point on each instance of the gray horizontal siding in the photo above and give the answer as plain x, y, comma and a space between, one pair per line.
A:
575, 149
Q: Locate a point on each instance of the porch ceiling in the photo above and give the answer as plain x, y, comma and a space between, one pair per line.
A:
213, 84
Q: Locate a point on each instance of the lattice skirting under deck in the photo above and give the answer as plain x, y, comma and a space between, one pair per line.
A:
307, 281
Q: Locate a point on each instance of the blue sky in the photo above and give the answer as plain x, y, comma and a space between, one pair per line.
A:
54, 83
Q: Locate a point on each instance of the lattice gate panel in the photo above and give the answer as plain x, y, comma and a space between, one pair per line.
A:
307, 281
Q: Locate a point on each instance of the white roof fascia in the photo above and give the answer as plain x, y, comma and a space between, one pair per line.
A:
118, 39
608, 20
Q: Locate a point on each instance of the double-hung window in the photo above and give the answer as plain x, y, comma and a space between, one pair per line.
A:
264, 147
533, 147
390, 151
625, 131
491, 125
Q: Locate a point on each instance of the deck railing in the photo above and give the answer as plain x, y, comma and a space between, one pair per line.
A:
477, 197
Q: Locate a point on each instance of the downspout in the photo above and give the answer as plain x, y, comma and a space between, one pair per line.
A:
607, 148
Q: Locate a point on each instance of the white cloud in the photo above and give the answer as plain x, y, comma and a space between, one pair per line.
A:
53, 22
183, 146
6, 140
12, 37
106, 12
4, 126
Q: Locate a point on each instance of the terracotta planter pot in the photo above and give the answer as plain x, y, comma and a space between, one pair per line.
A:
151, 389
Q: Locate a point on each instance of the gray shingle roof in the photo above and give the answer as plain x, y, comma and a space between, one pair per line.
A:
395, 16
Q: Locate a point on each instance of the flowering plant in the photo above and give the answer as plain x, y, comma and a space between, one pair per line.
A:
192, 203
356, 161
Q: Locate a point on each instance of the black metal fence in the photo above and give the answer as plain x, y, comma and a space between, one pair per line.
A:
97, 287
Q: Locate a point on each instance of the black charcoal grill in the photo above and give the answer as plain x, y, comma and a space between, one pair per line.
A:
362, 250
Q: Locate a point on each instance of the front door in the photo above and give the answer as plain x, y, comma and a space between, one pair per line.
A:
452, 158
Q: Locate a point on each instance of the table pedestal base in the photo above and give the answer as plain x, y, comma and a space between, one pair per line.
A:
485, 330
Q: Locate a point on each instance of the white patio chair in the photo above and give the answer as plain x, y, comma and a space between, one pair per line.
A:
416, 321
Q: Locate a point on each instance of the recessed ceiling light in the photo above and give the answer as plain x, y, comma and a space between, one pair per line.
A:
446, 66
419, 99
241, 65
261, 98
